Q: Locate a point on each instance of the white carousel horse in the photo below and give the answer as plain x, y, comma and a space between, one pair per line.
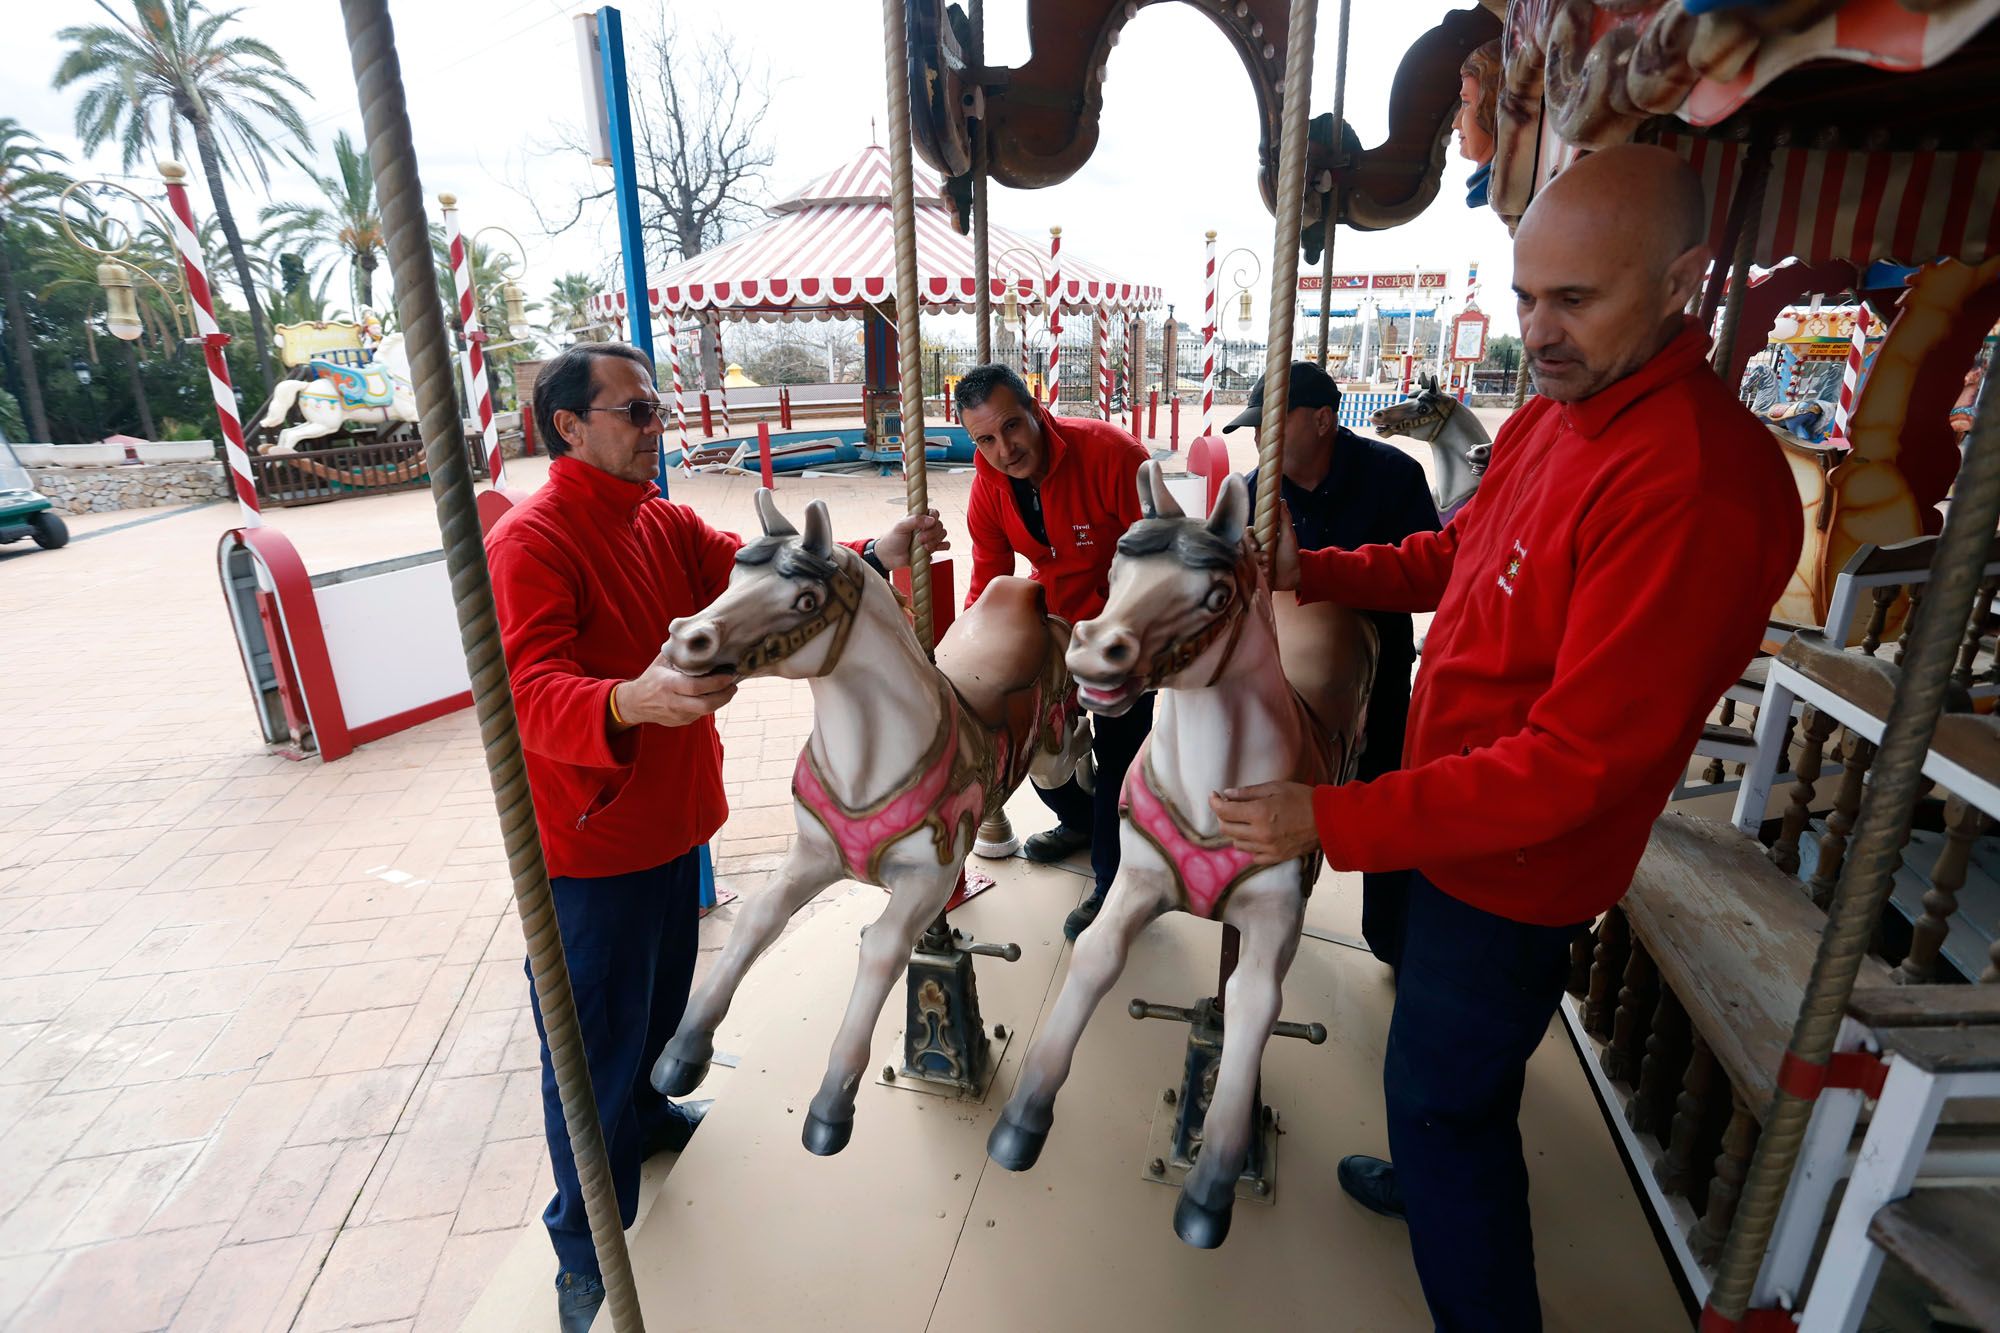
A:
376, 392
1190, 615
1459, 444
905, 761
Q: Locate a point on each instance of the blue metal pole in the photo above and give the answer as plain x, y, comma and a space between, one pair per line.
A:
625, 190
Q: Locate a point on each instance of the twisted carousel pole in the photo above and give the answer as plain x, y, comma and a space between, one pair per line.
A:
1284, 275
1332, 195
909, 337
1865, 880
982, 265
378, 78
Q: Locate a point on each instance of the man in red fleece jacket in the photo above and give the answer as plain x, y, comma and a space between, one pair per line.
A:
624, 763
1610, 580
1060, 491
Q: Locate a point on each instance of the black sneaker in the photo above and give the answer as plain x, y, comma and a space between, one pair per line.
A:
1371, 1182
1056, 844
1085, 913
577, 1299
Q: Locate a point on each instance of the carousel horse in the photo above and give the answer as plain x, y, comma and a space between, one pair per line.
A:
1459, 444
1039, 120
1249, 691
376, 392
906, 759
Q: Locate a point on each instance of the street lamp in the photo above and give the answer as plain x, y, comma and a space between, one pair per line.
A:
115, 274
511, 298
1012, 309
1241, 281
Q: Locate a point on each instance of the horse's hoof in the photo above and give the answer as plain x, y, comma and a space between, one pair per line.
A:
824, 1138
1201, 1226
1014, 1148
677, 1078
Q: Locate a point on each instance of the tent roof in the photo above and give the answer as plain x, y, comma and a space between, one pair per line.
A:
829, 249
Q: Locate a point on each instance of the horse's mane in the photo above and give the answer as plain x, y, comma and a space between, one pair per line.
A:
794, 561
1188, 540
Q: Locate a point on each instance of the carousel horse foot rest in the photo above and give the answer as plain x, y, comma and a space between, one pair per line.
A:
1199, 1225
682, 1066
1014, 1147
824, 1138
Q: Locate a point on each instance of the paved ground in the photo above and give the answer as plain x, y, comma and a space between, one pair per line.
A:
266, 1060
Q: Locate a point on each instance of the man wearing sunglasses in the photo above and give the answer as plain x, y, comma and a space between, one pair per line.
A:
623, 758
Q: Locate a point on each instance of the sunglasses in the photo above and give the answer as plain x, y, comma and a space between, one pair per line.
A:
640, 412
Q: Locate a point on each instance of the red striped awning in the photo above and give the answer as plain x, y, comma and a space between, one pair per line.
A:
830, 250
1820, 204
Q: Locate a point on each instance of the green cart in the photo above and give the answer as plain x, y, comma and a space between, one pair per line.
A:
24, 511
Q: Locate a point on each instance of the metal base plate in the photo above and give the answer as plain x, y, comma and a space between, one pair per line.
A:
1160, 1148
910, 1082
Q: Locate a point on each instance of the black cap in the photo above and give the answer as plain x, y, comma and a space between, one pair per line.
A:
1311, 387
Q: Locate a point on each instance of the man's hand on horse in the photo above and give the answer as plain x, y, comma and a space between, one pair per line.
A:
1286, 573
668, 697
1273, 821
892, 548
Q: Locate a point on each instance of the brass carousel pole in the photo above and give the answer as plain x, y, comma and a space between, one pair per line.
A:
909, 337
1881, 830
1284, 274
378, 79
1332, 195
982, 270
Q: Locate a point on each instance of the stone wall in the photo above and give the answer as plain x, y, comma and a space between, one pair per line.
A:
84, 490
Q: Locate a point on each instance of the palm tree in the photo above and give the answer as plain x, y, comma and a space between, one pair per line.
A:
344, 225
178, 62
569, 303
28, 203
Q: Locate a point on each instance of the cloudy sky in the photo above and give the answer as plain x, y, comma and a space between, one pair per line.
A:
491, 85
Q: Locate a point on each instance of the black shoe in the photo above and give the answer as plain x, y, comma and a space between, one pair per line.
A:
1085, 913
1056, 844
683, 1118
1371, 1182
577, 1299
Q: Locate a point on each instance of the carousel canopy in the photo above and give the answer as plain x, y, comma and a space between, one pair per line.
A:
830, 250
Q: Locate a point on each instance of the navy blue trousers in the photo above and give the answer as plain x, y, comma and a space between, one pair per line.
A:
631, 944
1474, 997
1113, 743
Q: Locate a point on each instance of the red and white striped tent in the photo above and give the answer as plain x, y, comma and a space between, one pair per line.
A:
829, 250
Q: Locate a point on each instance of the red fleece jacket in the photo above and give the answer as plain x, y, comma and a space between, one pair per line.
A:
1089, 497
588, 573
1607, 584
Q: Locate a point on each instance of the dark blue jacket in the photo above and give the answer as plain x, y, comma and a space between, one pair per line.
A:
1373, 494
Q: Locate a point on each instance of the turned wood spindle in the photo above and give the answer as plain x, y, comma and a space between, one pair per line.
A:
1606, 963
1798, 812
1878, 619
1833, 846
1634, 1016
1580, 947
1731, 1165
1675, 1169
1975, 630
1650, 1108
1962, 824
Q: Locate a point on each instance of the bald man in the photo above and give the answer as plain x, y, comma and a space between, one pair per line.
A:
1607, 584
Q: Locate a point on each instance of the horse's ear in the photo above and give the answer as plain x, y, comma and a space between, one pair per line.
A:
1164, 503
775, 523
1232, 511
819, 530
1149, 505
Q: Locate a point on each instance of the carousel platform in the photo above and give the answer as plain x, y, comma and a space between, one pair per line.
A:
911, 1228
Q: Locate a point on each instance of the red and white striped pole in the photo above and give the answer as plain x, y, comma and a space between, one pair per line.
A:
1208, 345
1850, 378
195, 265
1055, 318
477, 391
1102, 321
680, 401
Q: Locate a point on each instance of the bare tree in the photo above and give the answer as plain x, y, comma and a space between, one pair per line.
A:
699, 150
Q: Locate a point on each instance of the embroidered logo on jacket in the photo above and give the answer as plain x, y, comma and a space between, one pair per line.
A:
1080, 532
1513, 573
